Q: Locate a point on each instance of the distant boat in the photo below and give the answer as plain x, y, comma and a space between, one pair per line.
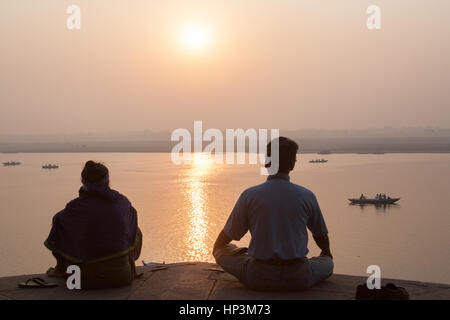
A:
11, 163
318, 161
50, 166
374, 201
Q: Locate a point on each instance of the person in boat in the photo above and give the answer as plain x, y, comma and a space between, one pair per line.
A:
277, 213
97, 231
362, 197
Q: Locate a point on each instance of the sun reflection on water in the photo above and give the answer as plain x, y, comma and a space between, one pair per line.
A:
196, 196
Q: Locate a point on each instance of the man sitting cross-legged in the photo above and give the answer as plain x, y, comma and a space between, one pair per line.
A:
277, 213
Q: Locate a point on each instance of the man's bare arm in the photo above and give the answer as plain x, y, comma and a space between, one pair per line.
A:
323, 242
222, 240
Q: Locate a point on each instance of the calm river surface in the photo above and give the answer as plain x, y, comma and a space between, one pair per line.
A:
183, 208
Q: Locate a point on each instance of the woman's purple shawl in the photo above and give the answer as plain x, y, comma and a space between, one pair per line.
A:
99, 223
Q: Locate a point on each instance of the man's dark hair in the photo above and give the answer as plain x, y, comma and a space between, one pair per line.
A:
287, 154
94, 172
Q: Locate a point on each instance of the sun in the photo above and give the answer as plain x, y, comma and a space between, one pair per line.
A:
196, 37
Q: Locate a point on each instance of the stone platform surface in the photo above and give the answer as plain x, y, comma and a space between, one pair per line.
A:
194, 281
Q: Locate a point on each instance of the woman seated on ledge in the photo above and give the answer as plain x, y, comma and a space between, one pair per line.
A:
97, 231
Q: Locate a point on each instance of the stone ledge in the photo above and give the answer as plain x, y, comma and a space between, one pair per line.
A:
193, 281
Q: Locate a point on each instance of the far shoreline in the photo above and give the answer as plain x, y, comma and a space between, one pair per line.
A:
307, 152
321, 146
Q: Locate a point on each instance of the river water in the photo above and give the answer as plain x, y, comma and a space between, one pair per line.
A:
182, 208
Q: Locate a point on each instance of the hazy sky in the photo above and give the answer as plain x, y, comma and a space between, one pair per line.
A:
287, 64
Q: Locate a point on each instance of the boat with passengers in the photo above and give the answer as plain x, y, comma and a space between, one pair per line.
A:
379, 199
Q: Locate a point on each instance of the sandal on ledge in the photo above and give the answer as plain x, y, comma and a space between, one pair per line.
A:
37, 283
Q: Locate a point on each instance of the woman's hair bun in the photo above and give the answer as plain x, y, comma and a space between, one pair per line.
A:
93, 171
90, 164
